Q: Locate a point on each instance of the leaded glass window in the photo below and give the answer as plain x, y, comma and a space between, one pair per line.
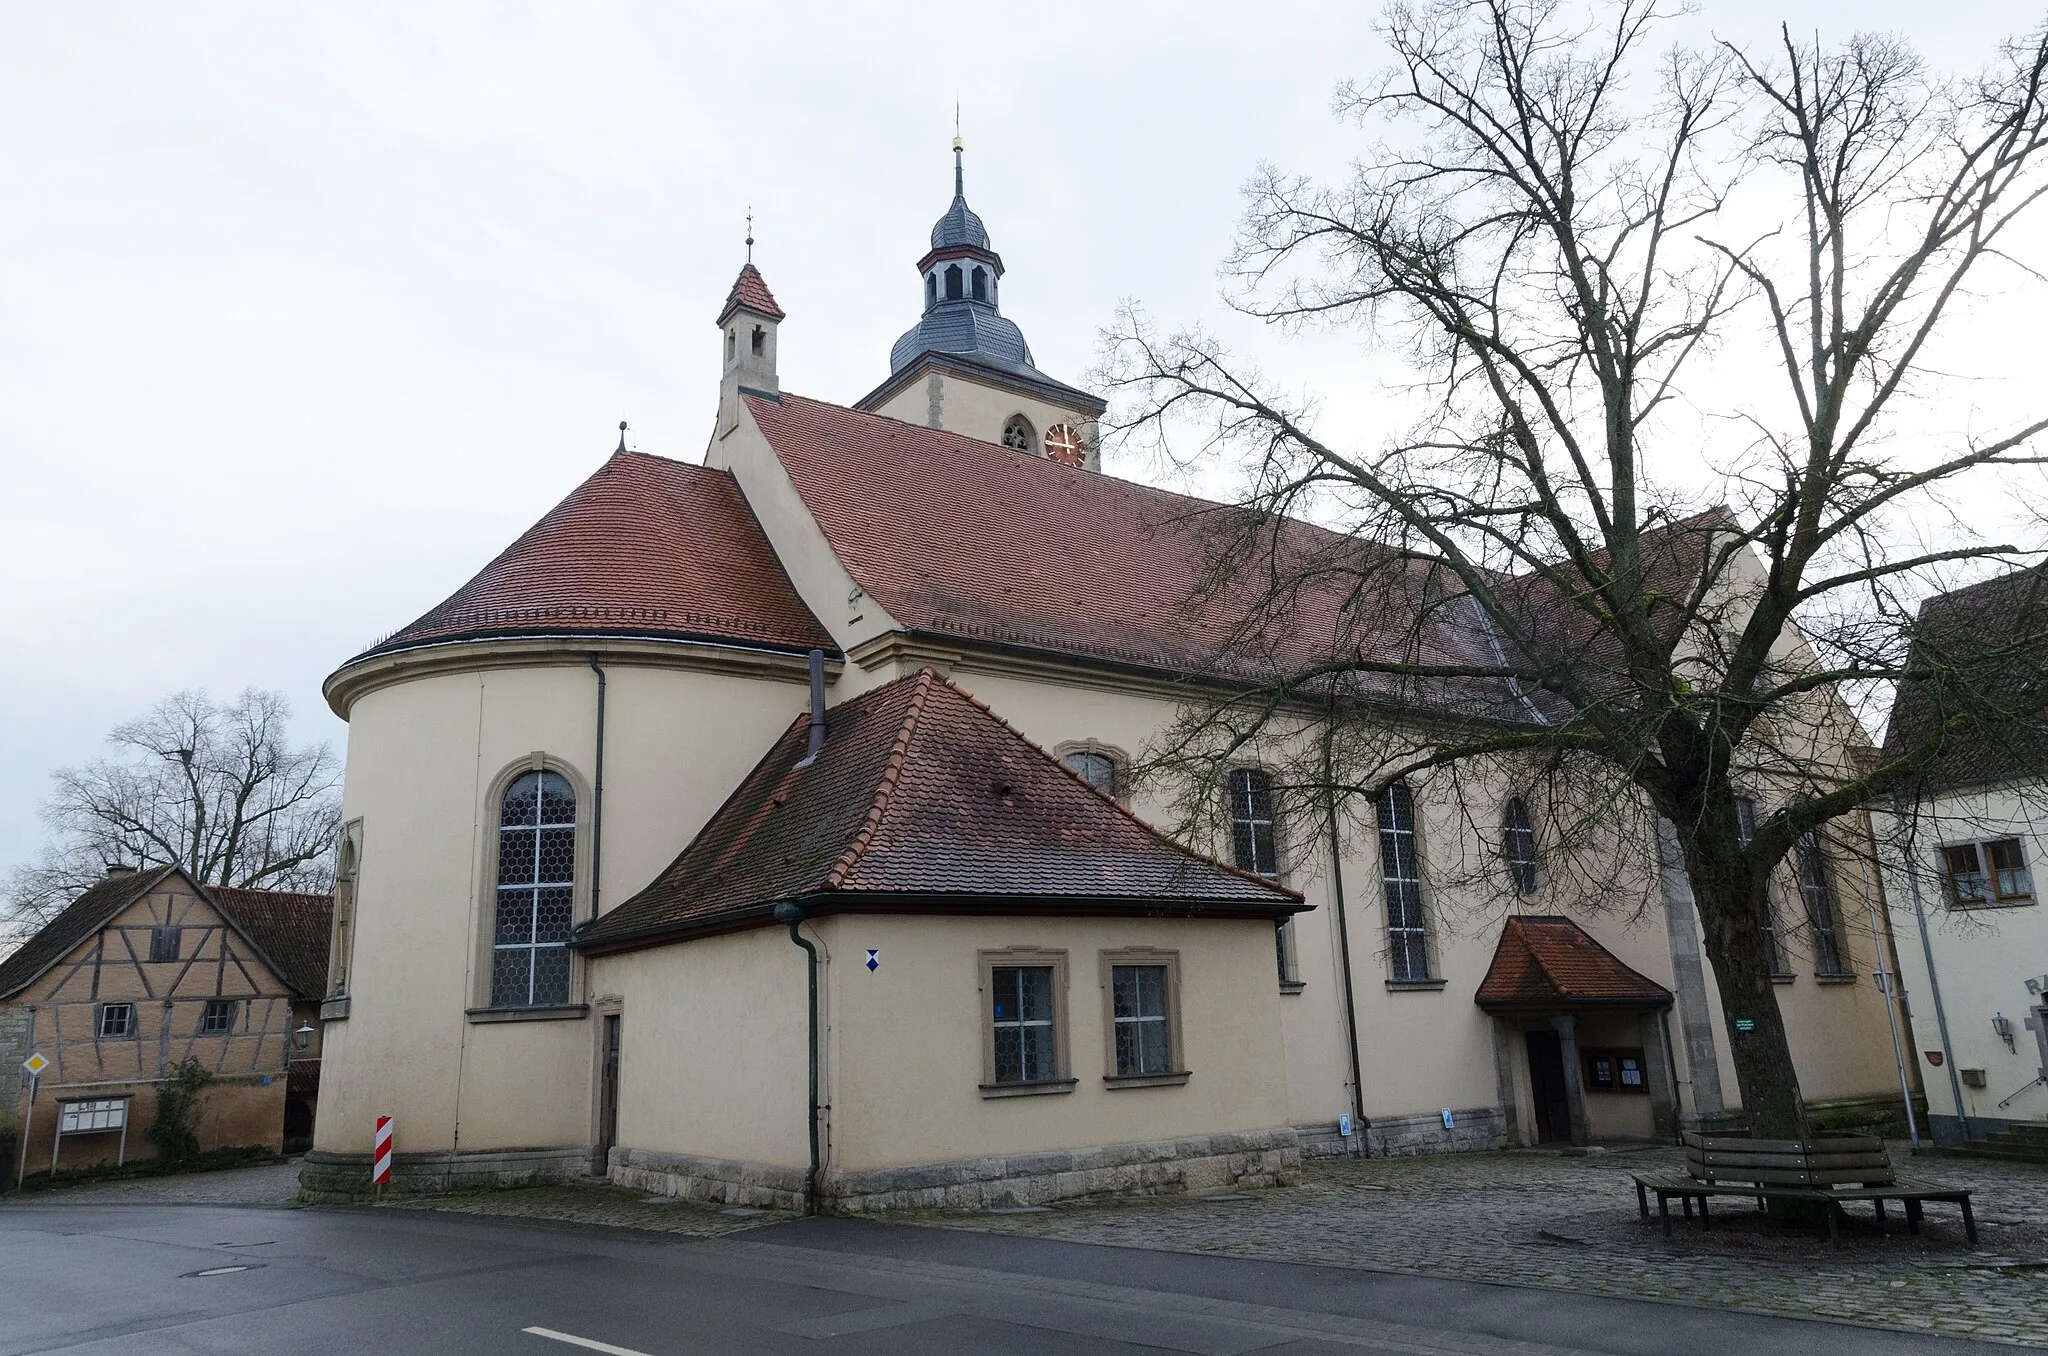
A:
1096, 769
1143, 1036
536, 892
1252, 843
1817, 888
1518, 838
1021, 1011
1401, 876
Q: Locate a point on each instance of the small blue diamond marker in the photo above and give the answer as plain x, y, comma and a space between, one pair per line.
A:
874, 960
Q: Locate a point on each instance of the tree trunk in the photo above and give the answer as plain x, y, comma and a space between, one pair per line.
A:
1730, 915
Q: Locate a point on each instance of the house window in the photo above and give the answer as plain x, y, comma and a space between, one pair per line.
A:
952, 282
1993, 874
1401, 875
1138, 1007
1096, 769
1817, 889
1019, 434
218, 1016
116, 1020
536, 892
1767, 912
163, 944
1021, 1016
1251, 822
1518, 838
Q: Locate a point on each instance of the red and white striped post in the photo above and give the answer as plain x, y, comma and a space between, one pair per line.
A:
380, 1152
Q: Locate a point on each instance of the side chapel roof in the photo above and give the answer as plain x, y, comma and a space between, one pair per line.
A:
1551, 963
923, 799
644, 547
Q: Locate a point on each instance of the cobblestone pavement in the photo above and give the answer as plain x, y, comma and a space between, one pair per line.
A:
1570, 1223
269, 1184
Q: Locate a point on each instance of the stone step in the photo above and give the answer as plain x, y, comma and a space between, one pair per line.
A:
2021, 1134
2010, 1153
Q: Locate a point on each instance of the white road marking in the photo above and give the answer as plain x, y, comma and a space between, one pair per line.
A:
573, 1340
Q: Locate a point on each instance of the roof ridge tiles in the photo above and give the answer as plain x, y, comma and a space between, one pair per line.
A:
885, 788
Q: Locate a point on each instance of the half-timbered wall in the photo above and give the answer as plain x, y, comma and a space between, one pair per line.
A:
203, 995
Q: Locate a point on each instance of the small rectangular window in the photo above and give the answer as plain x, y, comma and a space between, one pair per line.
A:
1021, 1012
218, 1019
1143, 1037
116, 1020
163, 944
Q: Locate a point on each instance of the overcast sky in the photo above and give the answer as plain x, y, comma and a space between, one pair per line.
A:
307, 311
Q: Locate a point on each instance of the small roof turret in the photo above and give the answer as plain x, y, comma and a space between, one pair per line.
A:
749, 293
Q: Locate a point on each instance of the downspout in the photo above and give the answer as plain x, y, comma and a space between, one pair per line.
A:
1359, 1123
1887, 980
793, 915
1948, 1054
597, 795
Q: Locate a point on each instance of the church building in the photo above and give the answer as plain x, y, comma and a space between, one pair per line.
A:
761, 830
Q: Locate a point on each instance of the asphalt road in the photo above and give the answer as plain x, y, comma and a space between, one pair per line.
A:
165, 1280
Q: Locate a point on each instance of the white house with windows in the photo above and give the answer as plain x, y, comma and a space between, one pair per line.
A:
1963, 852
763, 828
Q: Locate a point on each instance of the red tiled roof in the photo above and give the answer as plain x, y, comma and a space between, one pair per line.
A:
1552, 963
750, 290
646, 547
923, 799
78, 920
966, 539
289, 927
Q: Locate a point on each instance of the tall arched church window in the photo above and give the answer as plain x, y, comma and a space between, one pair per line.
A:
1064, 445
536, 892
1518, 843
953, 282
1019, 434
1252, 842
1401, 877
981, 284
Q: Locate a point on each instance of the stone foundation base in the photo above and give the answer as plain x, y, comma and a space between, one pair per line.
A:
1472, 1129
1198, 1164
1321, 1140
325, 1176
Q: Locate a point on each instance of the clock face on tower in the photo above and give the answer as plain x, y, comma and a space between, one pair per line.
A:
1063, 444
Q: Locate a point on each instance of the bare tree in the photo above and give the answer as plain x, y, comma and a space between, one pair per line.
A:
214, 786
1565, 237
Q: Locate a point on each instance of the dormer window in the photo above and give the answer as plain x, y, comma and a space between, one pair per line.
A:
953, 281
1019, 434
981, 284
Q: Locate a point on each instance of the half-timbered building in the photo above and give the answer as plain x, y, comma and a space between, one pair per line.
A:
146, 970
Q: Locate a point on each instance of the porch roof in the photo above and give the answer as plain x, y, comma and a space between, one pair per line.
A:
1551, 964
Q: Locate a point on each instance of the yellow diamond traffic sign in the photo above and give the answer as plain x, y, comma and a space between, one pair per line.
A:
35, 1063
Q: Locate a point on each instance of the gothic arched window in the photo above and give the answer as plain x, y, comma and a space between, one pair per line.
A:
536, 892
1019, 434
1518, 844
981, 284
952, 282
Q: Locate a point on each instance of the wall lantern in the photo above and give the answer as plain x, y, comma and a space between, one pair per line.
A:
2001, 1026
303, 1037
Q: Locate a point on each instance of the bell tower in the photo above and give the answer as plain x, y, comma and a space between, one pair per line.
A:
746, 325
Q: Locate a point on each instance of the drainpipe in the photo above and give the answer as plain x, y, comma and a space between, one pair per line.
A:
793, 914
1888, 982
1948, 1054
1358, 1121
597, 795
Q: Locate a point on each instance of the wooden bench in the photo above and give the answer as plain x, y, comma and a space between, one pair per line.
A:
1824, 1172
